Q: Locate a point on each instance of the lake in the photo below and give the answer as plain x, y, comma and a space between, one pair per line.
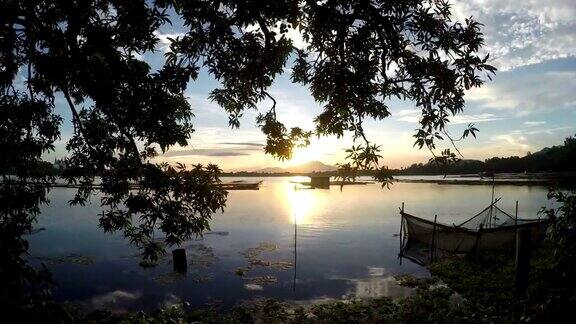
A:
304, 246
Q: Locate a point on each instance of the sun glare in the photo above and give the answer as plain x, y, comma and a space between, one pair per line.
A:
303, 155
300, 204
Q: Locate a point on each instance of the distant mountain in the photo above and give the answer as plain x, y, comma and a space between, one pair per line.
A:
313, 166
271, 170
543, 151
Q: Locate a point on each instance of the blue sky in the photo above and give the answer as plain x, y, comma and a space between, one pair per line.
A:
530, 104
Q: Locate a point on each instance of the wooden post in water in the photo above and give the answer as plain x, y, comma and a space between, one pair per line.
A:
179, 260
401, 230
516, 219
433, 245
523, 246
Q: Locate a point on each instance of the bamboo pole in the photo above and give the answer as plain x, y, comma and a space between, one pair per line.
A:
433, 245
401, 232
491, 203
516, 219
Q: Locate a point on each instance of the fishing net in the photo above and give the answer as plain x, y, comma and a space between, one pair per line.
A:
498, 231
492, 217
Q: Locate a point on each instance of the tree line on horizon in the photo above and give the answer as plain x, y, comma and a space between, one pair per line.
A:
558, 158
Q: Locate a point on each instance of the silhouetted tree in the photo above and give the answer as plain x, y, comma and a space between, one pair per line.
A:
359, 54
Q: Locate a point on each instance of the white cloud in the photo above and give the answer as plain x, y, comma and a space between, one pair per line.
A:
534, 123
541, 131
514, 141
164, 41
413, 116
524, 32
527, 92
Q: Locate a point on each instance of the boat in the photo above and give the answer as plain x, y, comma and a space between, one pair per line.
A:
490, 229
241, 185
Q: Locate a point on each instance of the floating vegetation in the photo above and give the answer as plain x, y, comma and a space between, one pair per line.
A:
174, 277
262, 280
253, 258
200, 255
71, 258
278, 265
258, 262
254, 253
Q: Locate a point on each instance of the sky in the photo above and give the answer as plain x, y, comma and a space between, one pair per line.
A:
530, 104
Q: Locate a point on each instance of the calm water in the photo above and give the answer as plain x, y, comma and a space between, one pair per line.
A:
322, 244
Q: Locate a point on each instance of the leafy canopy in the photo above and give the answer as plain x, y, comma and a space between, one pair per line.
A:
358, 55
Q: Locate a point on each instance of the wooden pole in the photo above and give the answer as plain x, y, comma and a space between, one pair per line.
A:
179, 260
401, 232
295, 249
433, 245
516, 219
491, 203
523, 246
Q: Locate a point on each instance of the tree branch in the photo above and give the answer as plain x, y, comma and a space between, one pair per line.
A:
75, 115
265, 30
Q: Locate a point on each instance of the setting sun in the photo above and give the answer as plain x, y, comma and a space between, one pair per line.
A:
303, 155
326, 150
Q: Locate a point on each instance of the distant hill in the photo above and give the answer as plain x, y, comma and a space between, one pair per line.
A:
313, 166
559, 158
461, 167
270, 170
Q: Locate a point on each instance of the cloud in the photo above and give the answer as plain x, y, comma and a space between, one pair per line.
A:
540, 131
512, 140
413, 116
220, 149
208, 152
243, 143
533, 123
532, 89
164, 41
525, 32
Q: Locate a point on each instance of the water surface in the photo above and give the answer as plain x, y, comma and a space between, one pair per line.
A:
318, 245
